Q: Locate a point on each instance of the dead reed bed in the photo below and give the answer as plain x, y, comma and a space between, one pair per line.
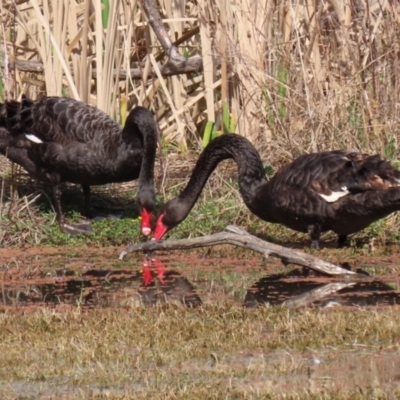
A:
294, 77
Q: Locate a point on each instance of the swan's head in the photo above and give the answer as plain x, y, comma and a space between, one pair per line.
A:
171, 214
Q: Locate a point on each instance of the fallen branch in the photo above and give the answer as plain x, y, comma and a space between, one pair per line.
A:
172, 67
238, 237
319, 293
152, 11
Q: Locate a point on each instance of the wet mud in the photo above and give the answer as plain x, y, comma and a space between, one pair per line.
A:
46, 277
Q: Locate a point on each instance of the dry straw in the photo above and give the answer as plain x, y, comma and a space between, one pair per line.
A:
295, 76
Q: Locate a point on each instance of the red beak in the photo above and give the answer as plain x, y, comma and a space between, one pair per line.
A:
161, 230
146, 222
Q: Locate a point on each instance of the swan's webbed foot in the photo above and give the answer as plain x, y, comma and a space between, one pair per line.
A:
75, 230
72, 230
315, 232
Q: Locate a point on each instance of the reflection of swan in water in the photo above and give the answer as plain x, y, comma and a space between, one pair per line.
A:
161, 286
101, 288
300, 288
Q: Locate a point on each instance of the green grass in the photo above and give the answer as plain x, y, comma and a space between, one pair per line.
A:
107, 232
212, 213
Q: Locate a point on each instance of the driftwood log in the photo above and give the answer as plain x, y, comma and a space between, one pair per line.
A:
238, 237
319, 293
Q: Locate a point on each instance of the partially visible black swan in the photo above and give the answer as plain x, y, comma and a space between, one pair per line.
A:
63, 140
343, 191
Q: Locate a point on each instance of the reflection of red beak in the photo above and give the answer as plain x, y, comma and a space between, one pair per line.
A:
146, 222
147, 274
161, 230
160, 268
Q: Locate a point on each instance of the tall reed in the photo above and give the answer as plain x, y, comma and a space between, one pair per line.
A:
293, 77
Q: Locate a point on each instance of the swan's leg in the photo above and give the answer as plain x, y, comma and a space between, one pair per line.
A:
92, 213
88, 203
342, 241
73, 230
315, 232
57, 204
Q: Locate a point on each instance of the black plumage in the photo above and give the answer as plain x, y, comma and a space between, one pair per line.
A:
63, 140
342, 190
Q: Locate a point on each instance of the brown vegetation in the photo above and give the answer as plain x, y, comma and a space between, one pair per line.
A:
299, 77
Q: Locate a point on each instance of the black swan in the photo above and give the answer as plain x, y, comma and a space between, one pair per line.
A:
63, 140
343, 191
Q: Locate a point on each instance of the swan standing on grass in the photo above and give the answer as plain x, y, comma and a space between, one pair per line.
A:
63, 140
342, 190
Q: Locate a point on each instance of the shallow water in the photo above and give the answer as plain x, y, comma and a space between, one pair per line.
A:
53, 278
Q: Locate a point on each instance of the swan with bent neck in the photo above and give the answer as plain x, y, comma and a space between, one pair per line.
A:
60, 139
341, 190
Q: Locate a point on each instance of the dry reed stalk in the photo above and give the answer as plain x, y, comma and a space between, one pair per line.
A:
178, 121
302, 76
208, 60
175, 11
246, 26
55, 64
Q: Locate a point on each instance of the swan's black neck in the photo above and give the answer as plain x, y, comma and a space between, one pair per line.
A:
141, 130
250, 168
